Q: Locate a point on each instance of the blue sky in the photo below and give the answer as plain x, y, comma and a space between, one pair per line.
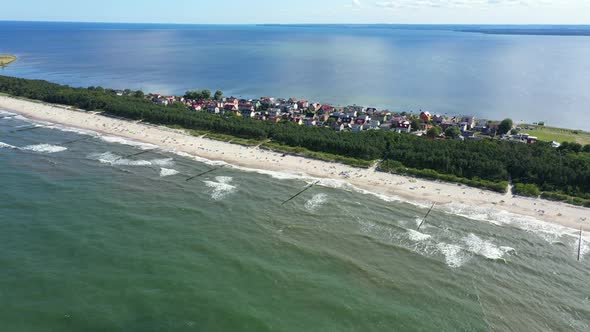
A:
302, 11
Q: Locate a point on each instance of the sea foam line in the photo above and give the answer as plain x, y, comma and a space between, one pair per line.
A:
42, 148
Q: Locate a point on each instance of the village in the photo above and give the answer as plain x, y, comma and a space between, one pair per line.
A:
352, 118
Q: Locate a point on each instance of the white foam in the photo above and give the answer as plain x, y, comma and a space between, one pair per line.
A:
124, 141
7, 146
20, 117
114, 159
454, 254
548, 231
485, 248
584, 248
316, 201
164, 172
45, 148
417, 236
221, 188
6, 113
199, 159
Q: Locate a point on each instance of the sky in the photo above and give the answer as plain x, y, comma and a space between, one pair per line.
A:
302, 11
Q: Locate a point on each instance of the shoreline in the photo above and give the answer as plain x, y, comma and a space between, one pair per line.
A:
448, 196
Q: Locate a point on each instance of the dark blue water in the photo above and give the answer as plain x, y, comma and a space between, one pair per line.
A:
528, 78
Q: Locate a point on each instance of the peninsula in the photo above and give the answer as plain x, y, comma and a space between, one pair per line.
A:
554, 171
6, 59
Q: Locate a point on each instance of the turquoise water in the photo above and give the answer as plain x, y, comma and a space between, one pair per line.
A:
527, 78
93, 241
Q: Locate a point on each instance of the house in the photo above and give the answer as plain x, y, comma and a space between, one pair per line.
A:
315, 107
212, 107
464, 126
230, 107
323, 117
354, 109
246, 107
340, 126
469, 120
438, 119
231, 101
326, 108
248, 113
196, 107
425, 116
403, 126
373, 125
382, 116
362, 119
371, 110
346, 119
303, 104
532, 140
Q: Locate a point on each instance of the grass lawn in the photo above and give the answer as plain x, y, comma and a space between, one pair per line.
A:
557, 134
6, 59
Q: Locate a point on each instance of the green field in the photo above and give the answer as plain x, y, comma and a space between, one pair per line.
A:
557, 134
6, 59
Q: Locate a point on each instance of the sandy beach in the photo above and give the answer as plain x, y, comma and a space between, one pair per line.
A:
450, 197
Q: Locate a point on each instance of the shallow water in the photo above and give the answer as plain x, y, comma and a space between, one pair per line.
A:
528, 78
91, 242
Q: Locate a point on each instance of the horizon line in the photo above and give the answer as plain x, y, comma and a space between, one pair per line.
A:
295, 24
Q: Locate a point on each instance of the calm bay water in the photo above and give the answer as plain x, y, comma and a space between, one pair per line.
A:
93, 241
528, 78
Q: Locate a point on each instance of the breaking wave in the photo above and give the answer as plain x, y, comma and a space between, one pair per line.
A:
124, 141
548, 231
417, 236
114, 159
7, 146
45, 148
485, 248
454, 255
164, 172
221, 188
315, 202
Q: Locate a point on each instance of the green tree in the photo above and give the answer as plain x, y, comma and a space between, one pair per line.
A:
586, 148
529, 190
415, 124
218, 95
505, 126
434, 131
206, 94
453, 132
138, 94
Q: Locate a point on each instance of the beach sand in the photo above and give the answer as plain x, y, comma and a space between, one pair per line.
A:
449, 197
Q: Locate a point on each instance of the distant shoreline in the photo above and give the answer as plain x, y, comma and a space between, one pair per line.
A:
6, 59
449, 196
529, 32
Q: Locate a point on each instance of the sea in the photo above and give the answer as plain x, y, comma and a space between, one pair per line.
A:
100, 233
440, 69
